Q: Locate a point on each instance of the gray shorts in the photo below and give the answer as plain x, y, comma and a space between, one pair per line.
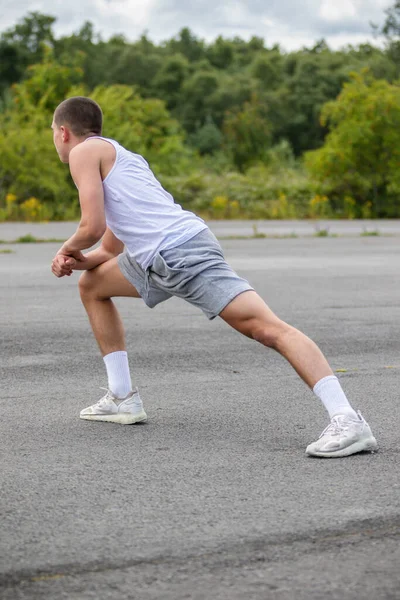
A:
195, 271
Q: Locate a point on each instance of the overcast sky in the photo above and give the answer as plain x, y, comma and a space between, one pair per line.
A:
290, 23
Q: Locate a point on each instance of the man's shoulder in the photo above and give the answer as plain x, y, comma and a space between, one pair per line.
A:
95, 148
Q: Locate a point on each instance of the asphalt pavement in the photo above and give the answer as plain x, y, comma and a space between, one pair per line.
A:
213, 498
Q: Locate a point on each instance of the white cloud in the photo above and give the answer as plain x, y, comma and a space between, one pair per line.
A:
290, 23
337, 11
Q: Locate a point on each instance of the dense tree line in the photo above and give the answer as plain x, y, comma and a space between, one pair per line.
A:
221, 109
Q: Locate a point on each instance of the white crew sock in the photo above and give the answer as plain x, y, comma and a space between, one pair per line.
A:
119, 377
330, 392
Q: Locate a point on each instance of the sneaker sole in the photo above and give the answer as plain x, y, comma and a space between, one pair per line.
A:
366, 445
121, 418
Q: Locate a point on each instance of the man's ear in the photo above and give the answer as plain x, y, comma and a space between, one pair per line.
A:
65, 134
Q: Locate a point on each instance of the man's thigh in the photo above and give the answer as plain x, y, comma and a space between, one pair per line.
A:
248, 306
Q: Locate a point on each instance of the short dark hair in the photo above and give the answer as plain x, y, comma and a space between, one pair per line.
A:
83, 115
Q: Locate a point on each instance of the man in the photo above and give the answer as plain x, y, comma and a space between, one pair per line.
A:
152, 249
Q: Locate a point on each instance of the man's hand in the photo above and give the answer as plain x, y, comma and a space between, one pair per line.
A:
66, 260
76, 254
63, 265
109, 248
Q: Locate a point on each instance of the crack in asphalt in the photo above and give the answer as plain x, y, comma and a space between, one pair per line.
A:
235, 554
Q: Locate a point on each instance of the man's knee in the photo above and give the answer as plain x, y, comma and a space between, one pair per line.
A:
249, 314
88, 285
270, 334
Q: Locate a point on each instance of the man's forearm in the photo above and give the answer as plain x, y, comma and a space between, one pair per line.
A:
93, 259
82, 239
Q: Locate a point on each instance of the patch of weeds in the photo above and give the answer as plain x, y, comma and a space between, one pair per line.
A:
6, 251
30, 239
257, 234
26, 239
373, 232
321, 232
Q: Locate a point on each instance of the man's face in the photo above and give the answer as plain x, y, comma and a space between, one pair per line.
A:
59, 138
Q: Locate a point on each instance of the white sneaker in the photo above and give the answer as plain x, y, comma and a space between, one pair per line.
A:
343, 436
124, 411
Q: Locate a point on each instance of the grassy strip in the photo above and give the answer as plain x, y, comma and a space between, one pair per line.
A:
30, 239
374, 232
259, 236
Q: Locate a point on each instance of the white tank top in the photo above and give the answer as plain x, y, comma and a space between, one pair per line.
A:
140, 212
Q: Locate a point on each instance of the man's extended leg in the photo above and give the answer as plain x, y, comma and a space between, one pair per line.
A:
348, 432
97, 286
249, 314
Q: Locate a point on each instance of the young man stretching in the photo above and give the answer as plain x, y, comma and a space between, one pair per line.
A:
152, 249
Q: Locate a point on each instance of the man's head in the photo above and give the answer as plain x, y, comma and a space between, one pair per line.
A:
74, 120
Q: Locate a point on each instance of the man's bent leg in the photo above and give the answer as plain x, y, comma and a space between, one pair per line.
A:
121, 404
249, 314
97, 287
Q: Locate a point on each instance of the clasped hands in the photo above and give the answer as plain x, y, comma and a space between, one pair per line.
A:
66, 261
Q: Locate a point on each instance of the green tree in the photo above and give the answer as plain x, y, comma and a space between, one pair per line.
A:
187, 44
23, 45
247, 133
366, 56
49, 81
391, 31
196, 90
30, 165
230, 94
221, 53
317, 76
268, 69
130, 66
169, 79
143, 126
30, 33
11, 65
90, 46
244, 52
360, 160
208, 138
391, 27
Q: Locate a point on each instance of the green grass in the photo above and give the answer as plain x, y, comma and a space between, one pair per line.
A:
30, 239
7, 251
321, 233
259, 236
26, 239
367, 233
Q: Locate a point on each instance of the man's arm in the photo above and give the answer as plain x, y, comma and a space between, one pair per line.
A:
84, 162
109, 248
85, 170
